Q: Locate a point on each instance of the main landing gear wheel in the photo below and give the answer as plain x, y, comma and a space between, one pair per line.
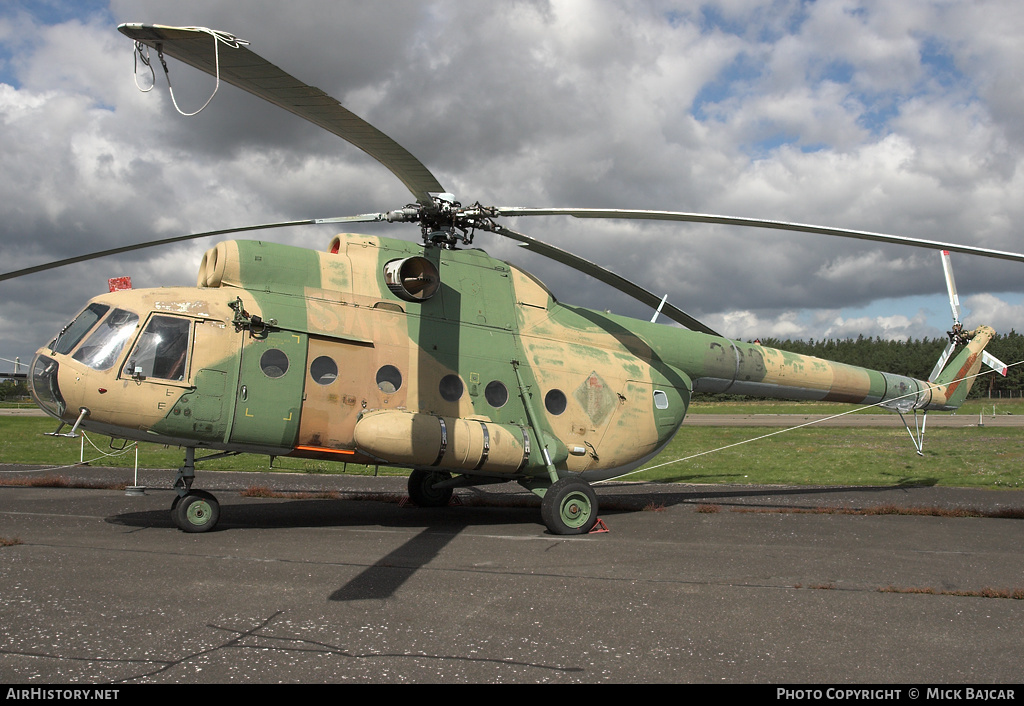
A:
422, 491
569, 507
198, 511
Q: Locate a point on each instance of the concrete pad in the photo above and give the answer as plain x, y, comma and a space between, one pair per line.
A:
102, 588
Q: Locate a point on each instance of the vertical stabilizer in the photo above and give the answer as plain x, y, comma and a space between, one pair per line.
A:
956, 380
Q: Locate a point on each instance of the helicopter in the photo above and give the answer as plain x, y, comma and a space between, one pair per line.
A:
432, 356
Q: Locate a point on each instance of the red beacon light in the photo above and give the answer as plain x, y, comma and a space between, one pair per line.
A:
116, 284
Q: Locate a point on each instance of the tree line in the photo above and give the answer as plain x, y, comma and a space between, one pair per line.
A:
12, 389
915, 357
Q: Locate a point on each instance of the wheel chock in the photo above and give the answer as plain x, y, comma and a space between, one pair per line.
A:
599, 527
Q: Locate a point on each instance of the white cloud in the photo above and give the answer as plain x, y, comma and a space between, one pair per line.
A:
894, 117
993, 311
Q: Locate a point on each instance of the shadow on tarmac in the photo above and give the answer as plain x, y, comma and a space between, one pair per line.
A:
438, 527
497, 508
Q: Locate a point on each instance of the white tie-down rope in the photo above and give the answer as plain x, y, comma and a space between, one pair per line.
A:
102, 454
142, 56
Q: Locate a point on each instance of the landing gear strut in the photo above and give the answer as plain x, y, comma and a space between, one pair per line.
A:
569, 507
193, 510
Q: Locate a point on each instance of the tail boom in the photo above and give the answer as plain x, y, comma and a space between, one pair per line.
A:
719, 365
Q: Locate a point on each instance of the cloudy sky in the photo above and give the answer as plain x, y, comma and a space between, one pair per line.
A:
903, 118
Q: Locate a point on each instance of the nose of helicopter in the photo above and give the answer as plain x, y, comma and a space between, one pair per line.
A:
44, 384
52, 385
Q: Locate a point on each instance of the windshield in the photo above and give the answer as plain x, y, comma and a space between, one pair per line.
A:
105, 343
75, 331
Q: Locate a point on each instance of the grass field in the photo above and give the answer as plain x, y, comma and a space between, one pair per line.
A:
984, 457
979, 457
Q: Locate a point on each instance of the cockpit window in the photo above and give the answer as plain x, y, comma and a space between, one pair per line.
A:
105, 343
75, 331
161, 350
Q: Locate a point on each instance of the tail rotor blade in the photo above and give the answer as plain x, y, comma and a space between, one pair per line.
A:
942, 361
954, 298
994, 363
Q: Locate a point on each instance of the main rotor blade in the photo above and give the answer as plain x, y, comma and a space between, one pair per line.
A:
607, 276
758, 223
364, 218
251, 72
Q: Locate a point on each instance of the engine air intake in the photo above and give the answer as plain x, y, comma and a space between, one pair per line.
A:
414, 279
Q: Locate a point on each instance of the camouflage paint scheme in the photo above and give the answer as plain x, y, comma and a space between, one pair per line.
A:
310, 354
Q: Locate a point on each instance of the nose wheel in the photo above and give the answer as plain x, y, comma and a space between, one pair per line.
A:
196, 511
569, 507
193, 510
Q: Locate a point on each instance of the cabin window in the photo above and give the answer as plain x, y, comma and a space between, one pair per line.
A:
660, 399
73, 333
389, 379
161, 350
451, 388
323, 370
103, 346
274, 363
496, 394
555, 402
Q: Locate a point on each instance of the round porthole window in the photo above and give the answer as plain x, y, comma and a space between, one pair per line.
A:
323, 370
555, 402
389, 379
496, 394
274, 363
451, 388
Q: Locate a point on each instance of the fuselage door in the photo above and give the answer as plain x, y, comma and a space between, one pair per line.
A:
268, 399
339, 386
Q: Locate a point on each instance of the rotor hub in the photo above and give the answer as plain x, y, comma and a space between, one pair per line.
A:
444, 222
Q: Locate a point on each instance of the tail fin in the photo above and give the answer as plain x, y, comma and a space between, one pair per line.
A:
956, 380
